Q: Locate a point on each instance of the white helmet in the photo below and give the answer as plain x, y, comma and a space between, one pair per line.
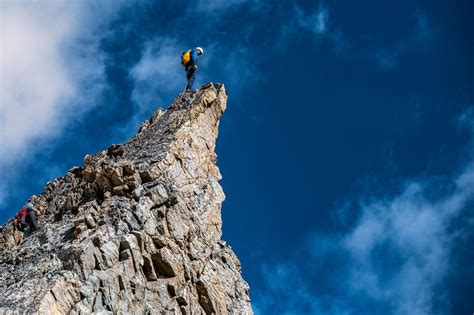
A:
200, 50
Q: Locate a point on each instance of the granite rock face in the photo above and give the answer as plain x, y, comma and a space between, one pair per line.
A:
135, 230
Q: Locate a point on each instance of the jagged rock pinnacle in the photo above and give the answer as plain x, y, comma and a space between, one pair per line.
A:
136, 229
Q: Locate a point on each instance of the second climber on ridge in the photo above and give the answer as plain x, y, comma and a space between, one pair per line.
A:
26, 220
189, 62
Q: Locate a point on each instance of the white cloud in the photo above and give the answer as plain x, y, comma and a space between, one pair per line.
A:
397, 254
417, 231
52, 72
317, 22
157, 74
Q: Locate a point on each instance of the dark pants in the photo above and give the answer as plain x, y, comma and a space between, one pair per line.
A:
31, 221
190, 76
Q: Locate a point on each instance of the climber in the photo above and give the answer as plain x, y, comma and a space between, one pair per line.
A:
26, 219
189, 62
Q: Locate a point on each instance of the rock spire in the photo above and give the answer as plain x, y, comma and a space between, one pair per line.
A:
136, 229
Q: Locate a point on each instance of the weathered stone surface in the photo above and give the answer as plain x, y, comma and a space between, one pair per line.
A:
135, 230
110, 254
165, 262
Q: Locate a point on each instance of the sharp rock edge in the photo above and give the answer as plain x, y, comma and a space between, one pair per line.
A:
135, 230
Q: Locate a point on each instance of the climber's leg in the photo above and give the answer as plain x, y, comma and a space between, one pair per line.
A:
190, 76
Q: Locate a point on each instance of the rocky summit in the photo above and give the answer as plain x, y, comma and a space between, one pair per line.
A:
135, 230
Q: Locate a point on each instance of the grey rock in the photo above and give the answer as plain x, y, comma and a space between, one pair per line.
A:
110, 254
157, 192
165, 262
135, 230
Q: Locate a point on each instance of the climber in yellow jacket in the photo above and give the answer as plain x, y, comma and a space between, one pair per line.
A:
189, 62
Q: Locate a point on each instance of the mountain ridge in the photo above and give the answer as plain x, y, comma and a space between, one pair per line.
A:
136, 229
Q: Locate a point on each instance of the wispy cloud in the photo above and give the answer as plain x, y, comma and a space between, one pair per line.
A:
423, 30
157, 74
290, 292
388, 58
235, 65
413, 231
219, 5
52, 72
466, 120
317, 22
395, 257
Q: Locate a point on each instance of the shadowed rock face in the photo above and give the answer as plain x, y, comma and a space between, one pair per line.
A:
136, 229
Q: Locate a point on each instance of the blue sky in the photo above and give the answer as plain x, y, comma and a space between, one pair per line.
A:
346, 150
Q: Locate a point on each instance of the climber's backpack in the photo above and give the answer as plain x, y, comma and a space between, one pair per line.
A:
186, 57
21, 217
